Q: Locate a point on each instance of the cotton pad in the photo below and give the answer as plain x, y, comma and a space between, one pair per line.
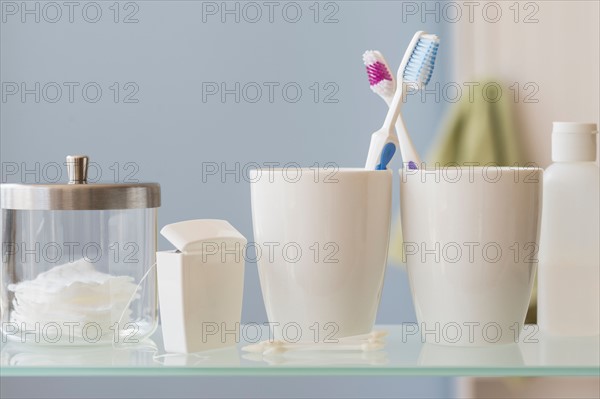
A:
74, 293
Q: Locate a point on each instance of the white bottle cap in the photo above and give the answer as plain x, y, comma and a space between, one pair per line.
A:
574, 142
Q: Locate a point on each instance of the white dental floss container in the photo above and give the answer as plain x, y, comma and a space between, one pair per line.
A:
200, 285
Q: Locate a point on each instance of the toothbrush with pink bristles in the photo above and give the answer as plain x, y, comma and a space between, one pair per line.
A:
383, 83
414, 72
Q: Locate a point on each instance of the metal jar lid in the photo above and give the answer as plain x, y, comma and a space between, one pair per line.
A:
78, 194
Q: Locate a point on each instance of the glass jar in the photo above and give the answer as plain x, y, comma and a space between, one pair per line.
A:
78, 261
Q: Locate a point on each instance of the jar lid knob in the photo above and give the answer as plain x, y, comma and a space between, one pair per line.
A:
77, 167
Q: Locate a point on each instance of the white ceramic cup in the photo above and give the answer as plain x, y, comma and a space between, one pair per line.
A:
323, 238
470, 242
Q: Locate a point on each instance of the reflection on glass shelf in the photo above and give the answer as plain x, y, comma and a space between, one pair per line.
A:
226, 357
487, 356
19, 355
402, 354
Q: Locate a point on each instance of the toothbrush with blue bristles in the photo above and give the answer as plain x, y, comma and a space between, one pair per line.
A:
415, 72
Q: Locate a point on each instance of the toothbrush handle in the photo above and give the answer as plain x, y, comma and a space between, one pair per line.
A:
407, 149
378, 143
394, 111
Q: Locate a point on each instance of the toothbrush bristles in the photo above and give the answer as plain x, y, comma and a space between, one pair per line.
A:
381, 80
422, 60
378, 72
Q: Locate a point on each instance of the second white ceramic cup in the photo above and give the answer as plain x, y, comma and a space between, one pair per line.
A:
322, 238
470, 242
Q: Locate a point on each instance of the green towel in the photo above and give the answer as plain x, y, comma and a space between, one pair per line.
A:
480, 128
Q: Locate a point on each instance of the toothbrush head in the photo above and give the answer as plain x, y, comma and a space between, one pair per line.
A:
380, 78
419, 60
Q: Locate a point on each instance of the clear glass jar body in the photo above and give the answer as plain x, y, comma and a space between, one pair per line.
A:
78, 277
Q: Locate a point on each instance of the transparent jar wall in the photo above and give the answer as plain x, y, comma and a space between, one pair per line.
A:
79, 277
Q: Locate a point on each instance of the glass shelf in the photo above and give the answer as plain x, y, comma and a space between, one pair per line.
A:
403, 354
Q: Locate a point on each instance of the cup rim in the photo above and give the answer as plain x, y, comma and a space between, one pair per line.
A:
320, 170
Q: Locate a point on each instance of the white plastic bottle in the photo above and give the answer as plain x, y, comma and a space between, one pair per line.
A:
569, 266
